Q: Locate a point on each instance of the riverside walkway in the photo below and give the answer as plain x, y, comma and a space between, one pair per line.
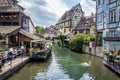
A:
10, 67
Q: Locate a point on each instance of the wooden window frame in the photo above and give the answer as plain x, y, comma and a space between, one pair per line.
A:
113, 20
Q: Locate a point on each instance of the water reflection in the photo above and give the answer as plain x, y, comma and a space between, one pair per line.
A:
54, 71
86, 77
66, 65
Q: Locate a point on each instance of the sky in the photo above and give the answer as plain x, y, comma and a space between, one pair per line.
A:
48, 12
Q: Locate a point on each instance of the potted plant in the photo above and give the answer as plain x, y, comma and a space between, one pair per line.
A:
106, 52
1, 53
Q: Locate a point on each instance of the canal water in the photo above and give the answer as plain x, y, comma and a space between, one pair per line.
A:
66, 65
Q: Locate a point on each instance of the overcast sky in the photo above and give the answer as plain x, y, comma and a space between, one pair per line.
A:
47, 12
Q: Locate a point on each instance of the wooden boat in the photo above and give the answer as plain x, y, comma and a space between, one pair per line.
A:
40, 51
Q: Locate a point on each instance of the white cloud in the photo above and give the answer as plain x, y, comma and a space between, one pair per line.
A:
55, 7
88, 6
47, 12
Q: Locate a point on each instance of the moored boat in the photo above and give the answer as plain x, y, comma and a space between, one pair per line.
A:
40, 51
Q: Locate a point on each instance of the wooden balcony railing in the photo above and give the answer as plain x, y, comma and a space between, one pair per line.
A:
9, 20
112, 38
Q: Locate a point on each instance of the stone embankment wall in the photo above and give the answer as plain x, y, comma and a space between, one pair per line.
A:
92, 51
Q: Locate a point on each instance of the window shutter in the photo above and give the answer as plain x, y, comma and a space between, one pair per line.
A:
107, 34
118, 33
117, 14
107, 17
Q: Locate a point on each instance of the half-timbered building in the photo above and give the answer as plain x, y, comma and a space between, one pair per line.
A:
108, 22
70, 19
15, 25
86, 25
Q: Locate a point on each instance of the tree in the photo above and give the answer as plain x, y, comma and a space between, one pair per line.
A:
62, 38
78, 41
39, 29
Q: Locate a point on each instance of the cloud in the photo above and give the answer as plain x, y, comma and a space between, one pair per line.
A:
47, 12
44, 12
88, 6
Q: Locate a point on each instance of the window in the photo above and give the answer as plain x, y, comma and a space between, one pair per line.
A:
118, 2
107, 34
112, 16
117, 33
111, 33
70, 29
68, 22
75, 17
64, 30
100, 2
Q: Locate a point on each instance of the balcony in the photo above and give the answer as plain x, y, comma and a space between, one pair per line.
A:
111, 38
9, 20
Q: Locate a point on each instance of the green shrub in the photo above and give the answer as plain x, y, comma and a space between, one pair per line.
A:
115, 55
77, 41
1, 41
62, 38
1, 53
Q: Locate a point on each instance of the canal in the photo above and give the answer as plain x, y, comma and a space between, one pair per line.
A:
66, 65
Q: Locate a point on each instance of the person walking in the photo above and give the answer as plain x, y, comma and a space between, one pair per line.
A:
22, 51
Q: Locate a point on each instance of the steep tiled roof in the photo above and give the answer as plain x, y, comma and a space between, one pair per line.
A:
85, 22
68, 14
50, 29
10, 6
8, 29
29, 35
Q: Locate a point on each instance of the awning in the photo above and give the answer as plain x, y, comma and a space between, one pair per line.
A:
37, 40
8, 29
29, 35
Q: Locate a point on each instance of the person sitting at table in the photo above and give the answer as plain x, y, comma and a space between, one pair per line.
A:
111, 57
119, 52
118, 56
11, 50
15, 52
3, 61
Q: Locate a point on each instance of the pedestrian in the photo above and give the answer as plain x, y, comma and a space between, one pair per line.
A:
22, 48
0, 66
10, 57
3, 62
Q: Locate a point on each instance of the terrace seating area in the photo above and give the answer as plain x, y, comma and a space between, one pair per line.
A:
112, 60
8, 55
